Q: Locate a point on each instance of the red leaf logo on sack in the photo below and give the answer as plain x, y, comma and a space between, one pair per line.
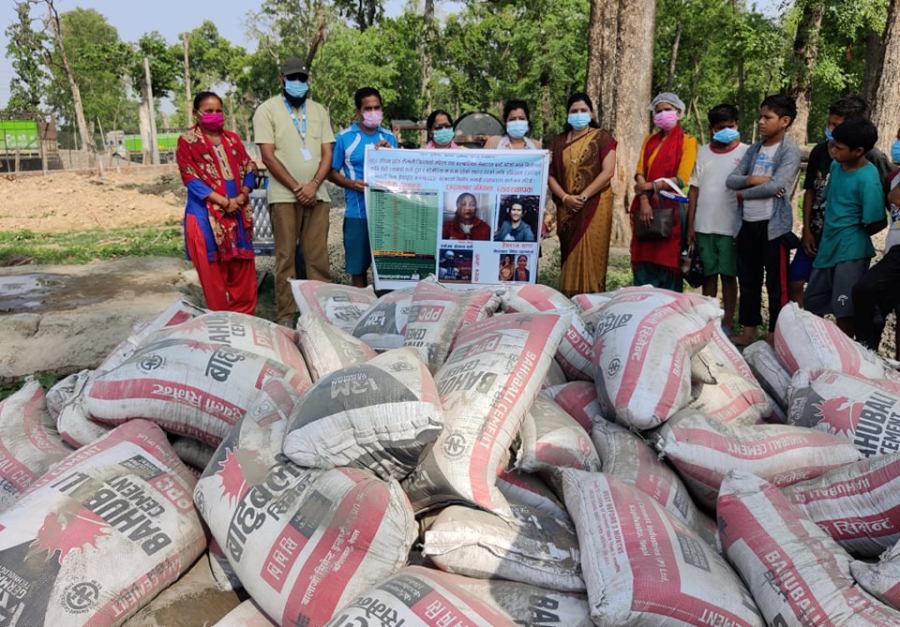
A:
68, 530
238, 473
840, 413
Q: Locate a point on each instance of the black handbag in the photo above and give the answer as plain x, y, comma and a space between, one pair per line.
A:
659, 228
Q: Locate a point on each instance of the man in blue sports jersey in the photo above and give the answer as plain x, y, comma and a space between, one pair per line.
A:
347, 171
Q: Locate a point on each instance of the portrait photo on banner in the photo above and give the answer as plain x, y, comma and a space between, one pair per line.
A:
517, 218
467, 216
455, 265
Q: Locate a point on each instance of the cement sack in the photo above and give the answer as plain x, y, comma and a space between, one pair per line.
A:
704, 449
794, 570
29, 443
100, 534
326, 348
555, 375
341, 305
223, 574
532, 548
240, 331
630, 459
864, 411
579, 400
64, 390
75, 426
881, 579
586, 302
858, 504
191, 601
436, 315
768, 370
188, 387
576, 350
805, 341
177, 313
550, 439
734, 395
642, 566
643, 346
303, 542
419, 597
383, 325
528, 605
520, 488
379, 415
247, 614
487, 385
776, 415
192, 452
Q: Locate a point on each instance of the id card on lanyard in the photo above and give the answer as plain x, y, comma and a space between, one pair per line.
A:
300, 125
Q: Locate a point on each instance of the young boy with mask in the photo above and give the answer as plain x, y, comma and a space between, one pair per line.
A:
854, 210
347, 171
877, 292
764, 180
713, 216
817, 169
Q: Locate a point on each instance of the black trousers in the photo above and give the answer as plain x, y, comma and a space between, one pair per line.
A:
759, 258
876, 294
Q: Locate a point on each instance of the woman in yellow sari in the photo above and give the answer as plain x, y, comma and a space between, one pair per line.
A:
583, 160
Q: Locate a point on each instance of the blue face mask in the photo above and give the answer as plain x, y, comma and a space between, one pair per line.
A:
579, 120
443, 136
895, 152
828, 135
296, 89
517, 128
726, 135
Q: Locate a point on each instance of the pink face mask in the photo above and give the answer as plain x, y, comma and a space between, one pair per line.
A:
372, 119
212, 121
666, 120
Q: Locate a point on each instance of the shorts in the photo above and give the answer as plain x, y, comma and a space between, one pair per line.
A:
830, 290
357, 252
718, 254
801, 266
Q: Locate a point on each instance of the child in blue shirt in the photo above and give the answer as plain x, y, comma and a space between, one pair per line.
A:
347, 163
854, 210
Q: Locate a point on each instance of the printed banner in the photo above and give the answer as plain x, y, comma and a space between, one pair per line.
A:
467, 216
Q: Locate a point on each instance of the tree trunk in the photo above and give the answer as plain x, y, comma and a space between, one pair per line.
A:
806, 47
674, 60
885, 105
144, 125
874, 59
619, 74
151, 112
80, 120
425, 47
188, 99
317, 40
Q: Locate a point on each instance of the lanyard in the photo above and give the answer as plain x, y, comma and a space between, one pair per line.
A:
301, 124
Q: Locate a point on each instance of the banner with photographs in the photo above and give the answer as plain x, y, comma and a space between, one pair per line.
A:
467, 216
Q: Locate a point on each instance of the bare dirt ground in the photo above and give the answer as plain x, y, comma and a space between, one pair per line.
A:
75, 202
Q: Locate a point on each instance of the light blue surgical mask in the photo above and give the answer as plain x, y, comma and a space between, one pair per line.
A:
517, 128
895, 151
296, 89
828, 135
579, 120
726, 135
443, 136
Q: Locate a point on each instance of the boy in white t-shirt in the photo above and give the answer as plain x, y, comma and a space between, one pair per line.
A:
713, 216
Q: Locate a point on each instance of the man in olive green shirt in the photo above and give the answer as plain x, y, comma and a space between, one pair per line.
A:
296, 141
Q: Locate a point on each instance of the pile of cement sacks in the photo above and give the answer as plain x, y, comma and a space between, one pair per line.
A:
490, 456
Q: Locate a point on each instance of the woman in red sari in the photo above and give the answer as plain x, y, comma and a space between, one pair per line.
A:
218, 223
670, 154
583, 160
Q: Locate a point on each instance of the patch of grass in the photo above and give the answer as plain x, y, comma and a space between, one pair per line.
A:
618, 271
84, 246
